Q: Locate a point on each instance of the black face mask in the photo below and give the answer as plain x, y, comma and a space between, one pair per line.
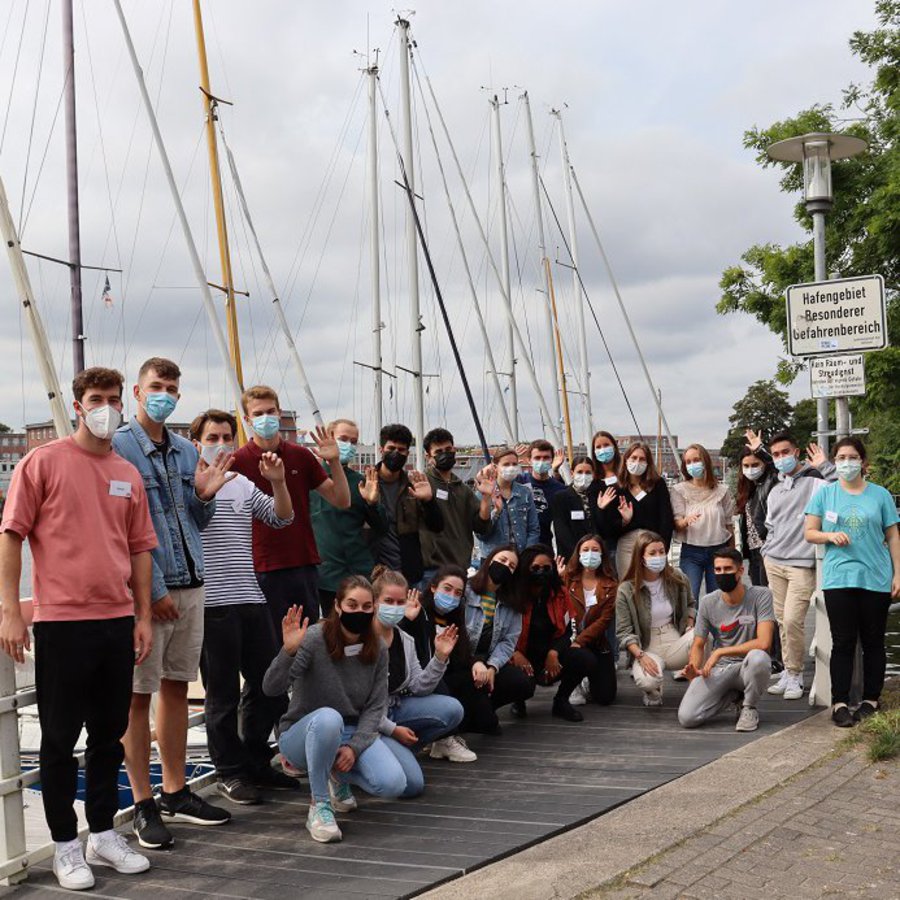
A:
445, 460
540, 575
357, 622
499, 573
727, 581
394, 460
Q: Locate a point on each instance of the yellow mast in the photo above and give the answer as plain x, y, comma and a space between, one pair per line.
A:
559, 359
209, 105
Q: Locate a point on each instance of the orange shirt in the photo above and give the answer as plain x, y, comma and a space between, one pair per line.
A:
84, 515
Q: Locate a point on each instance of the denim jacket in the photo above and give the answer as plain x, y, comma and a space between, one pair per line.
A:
516, 523
175, 507
505, 636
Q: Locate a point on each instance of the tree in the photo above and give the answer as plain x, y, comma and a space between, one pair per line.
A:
862, 236
803, 422
765, 408
4, 429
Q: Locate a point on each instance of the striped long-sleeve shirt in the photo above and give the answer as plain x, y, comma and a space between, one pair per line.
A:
228, 543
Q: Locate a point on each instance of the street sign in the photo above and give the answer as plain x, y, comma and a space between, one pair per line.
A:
846, 315
837, 376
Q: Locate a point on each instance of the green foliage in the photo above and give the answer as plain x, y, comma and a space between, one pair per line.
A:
765, 408
4, 429
862, 234
803, 422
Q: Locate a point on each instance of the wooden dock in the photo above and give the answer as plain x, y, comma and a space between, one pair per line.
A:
540, 777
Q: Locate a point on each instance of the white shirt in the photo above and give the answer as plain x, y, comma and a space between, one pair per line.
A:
660, 605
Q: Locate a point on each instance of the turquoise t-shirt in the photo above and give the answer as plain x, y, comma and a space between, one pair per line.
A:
865, 562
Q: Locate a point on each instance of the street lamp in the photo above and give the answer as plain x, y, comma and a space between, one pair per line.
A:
816, 150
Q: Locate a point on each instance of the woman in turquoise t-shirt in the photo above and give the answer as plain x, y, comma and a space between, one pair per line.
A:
857, 522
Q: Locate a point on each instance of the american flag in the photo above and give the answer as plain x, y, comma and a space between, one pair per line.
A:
107, 296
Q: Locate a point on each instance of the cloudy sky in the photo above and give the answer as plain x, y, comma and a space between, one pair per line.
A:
655, 99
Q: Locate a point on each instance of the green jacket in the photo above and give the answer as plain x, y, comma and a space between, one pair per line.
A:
633, 616
344, 536
460, 507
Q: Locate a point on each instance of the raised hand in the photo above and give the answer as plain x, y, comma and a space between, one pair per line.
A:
420, 486
368, 487
754, 439
445, 642
326, 445
815, 455
209, 479
271, 467
607, 497
292, 630
561, 565
626, 510
522, 451
413, 605
485, 482
559, 457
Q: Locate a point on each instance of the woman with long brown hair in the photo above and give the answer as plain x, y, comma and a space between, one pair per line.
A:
337, 671
605, 450
703, 509
655, 613
756, 476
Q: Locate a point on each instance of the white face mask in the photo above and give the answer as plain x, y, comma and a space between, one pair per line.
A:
582, 480
509, 473
102, 421
209, 452
753, 472
636, 467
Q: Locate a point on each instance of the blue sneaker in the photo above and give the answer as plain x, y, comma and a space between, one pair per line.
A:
321, 824
342, 799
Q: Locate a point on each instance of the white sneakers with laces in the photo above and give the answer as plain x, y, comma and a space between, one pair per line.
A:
789, 685
69, 867
748, 719
321, 824
109, 848
453, 748
580, 695
342, 799
780, 685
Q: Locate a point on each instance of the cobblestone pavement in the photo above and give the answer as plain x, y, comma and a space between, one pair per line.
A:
834, 830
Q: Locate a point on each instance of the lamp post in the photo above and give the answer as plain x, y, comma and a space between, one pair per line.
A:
816, 150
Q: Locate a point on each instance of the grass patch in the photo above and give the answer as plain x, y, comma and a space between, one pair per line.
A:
882, 733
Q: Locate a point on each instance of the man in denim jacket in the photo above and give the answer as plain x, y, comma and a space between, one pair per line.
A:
180, 491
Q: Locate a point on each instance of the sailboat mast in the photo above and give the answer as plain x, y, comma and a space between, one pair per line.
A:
210, 106
72, 188
504, 262
375, 250
412, 244
559, 354
576, 283
539, 218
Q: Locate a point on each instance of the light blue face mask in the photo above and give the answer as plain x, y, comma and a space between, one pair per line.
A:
655, 563
390, 615
160, 406
590, 559
605, 454
266, 426
786, 464
541, 467
696, 469
347, 451
445, 603
848, 469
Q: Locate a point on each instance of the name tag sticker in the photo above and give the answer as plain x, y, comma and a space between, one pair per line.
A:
120, 489
590, 601
747, 620
640, 496
441, 494
831, 516
577, 514
611, 480
353, 649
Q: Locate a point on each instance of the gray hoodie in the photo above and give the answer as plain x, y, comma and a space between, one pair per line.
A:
786, 515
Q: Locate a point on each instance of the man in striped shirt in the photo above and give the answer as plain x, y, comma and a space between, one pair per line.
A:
239, 637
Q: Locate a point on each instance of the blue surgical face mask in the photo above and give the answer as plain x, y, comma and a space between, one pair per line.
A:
347, 451
848, 469
160, 406
655, 563
541, 467
266, 426
209, 452
445, 603
695, 469
390, 615
605, 454
590, 559
786, 464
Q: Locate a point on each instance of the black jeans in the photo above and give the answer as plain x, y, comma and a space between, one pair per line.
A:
510, 685
84, 672
285, 588
856, 613
238, 640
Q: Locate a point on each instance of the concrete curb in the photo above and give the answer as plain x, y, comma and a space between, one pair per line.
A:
604, 849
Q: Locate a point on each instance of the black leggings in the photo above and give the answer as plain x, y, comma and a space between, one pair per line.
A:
856, 613
578, 663
510, 685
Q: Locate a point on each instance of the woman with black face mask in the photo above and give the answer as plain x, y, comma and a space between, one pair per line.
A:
338, 674
544, 651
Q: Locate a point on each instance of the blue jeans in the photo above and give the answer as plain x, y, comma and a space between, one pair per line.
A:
697, 563
430, 717
312, 743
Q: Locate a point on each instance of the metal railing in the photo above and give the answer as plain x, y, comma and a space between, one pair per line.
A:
15, 857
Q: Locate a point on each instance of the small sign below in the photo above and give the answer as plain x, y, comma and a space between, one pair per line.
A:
846, 315
837, 376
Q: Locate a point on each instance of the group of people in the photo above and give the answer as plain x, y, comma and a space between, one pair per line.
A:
367, 617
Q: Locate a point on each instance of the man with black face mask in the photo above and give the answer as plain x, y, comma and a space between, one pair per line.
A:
463, 511
741, 623
411, 507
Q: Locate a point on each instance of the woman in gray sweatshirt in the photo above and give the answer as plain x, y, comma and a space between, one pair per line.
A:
336, 671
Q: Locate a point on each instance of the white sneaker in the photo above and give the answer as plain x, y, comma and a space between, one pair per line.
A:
321, 824
748, 720
109, 848
342, 799
69, 867
781, 685
794, 688
453, 748
654, 699
579, 696
679, 676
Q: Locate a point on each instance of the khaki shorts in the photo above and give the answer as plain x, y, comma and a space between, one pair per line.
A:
176, 645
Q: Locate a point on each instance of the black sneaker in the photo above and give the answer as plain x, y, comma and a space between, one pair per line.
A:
186, 806
562, 709
866, 708
239, 790
148, 827
273, 780
519, 710
842, 717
